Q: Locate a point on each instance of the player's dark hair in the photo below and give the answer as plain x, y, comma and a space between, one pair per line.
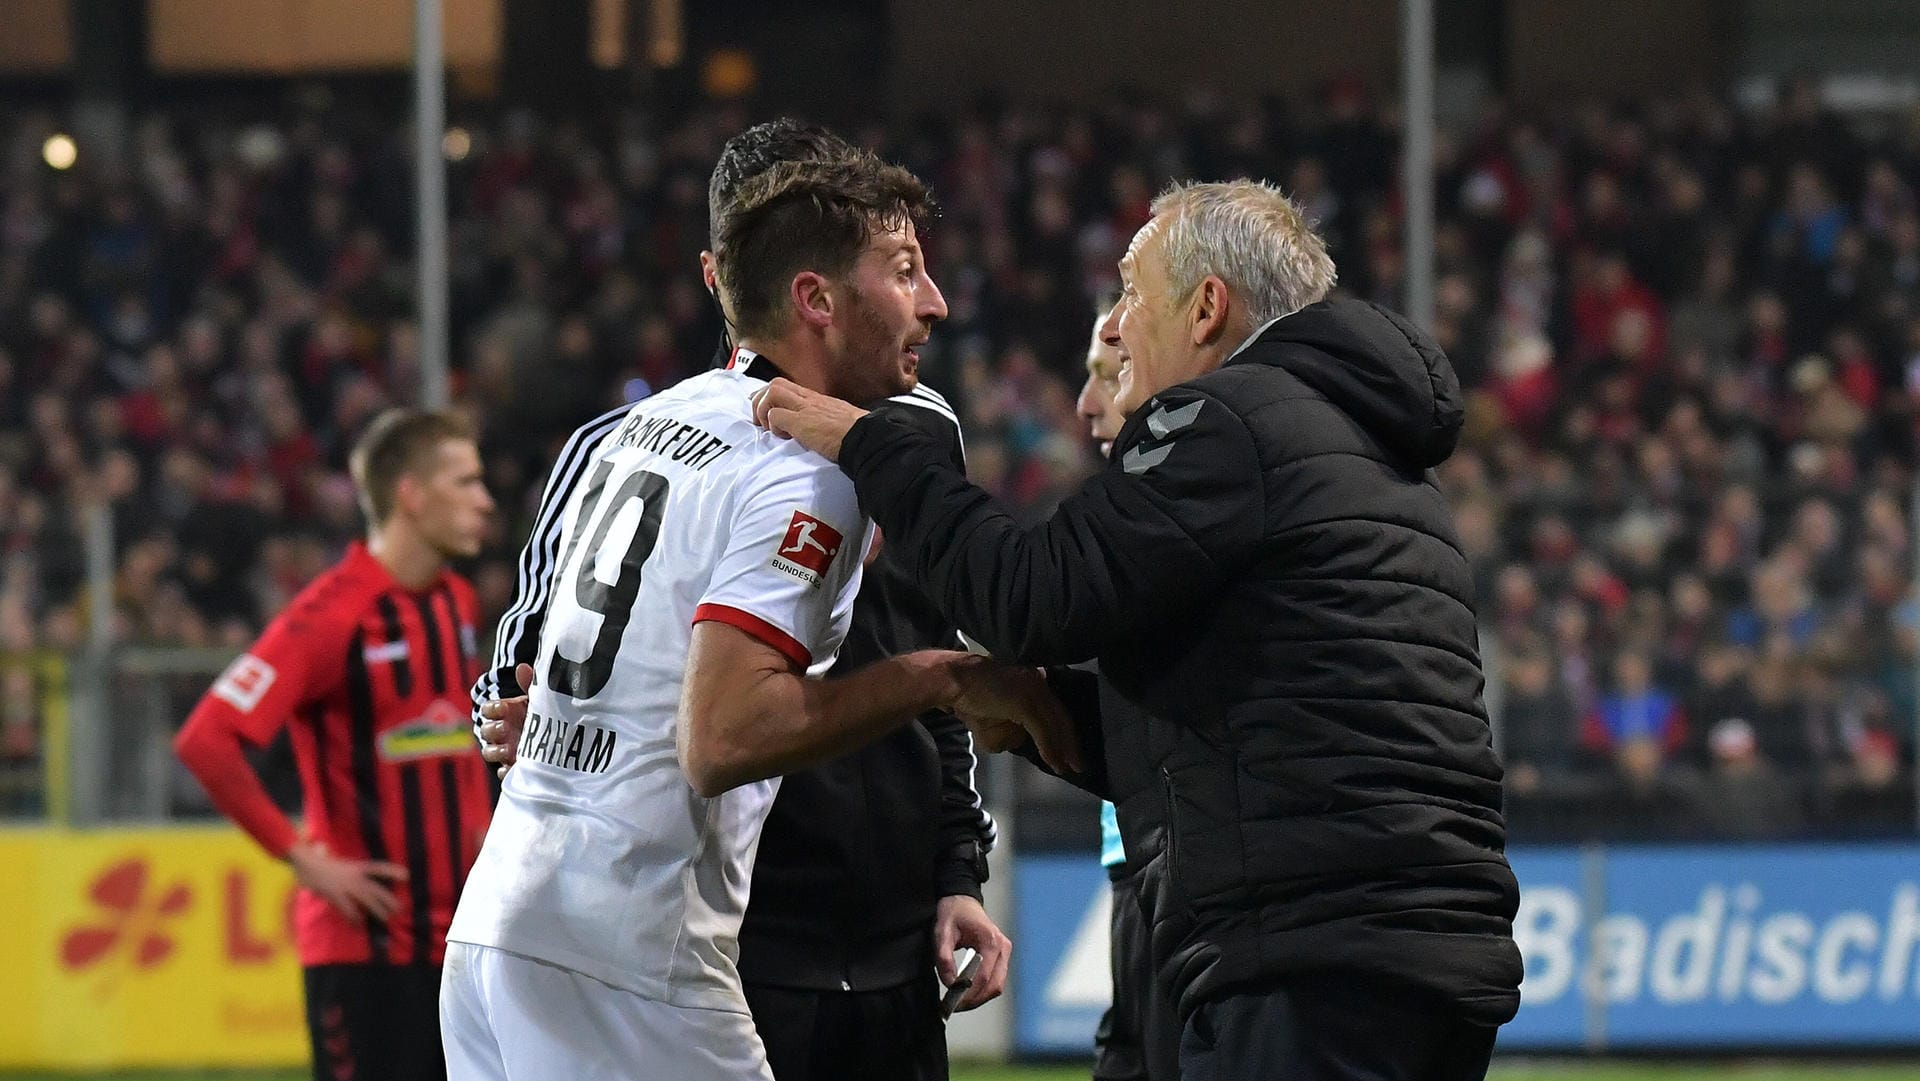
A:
760, 148
396, 443
805, 215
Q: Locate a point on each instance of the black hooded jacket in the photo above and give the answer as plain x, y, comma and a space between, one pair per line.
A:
1290, 682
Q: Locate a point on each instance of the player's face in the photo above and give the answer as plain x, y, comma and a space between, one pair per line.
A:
1147, 325
1096, 402
892, 306
453, 504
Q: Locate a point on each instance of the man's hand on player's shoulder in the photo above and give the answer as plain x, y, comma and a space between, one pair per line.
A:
503, 721
357, 888
818, 421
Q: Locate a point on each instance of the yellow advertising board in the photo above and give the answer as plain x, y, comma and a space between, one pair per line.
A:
155, 947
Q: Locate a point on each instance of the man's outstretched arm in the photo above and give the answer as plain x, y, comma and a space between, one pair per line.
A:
1176, 516
748, 712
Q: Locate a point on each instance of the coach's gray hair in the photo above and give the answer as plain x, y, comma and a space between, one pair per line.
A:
1249, 234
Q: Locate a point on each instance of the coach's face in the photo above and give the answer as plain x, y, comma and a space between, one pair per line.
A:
1149, 325
891, 306
449, 500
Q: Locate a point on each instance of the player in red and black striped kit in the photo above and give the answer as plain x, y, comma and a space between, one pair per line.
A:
368, 670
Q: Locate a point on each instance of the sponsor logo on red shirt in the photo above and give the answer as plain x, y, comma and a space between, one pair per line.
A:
441, 731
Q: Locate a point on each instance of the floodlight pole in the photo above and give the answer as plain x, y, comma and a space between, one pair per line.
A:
430, 180
1416, 158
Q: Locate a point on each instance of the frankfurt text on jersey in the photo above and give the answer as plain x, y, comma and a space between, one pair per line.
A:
693, 447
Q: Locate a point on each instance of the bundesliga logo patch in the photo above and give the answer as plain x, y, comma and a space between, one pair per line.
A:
808, 548
245, 682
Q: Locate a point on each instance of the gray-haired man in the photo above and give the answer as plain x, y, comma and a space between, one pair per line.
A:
1268, 575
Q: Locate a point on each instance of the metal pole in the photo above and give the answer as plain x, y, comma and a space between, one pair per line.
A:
89, 746
430, 178
100, 560
1416, 177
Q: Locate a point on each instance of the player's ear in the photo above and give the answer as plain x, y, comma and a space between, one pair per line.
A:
812, 297
407, 494
709, 271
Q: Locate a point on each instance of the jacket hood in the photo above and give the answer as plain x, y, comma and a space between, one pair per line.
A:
1383, 371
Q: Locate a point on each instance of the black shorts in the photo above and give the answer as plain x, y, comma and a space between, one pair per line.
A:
375, 1022
895, 1034
1139, 1035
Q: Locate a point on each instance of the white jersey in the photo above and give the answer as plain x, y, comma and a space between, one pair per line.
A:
601, 858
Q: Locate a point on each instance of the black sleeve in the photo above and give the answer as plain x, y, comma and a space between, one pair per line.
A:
517, 639
1173, 517
966, 830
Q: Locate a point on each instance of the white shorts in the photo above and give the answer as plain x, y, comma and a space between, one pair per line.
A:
504, 1017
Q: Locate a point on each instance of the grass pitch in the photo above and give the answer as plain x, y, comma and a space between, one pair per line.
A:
1511, 1070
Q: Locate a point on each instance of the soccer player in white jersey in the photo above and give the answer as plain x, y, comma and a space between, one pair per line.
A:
706, 567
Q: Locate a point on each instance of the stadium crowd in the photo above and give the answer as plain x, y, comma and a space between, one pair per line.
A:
1691, 335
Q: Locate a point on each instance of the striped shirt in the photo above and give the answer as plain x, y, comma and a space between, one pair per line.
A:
368, 678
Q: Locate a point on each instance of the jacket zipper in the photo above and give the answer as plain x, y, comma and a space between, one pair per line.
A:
1173, 829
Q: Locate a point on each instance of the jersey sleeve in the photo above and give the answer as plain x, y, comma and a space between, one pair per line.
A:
517, 638
792, 562
262, 688
251, 701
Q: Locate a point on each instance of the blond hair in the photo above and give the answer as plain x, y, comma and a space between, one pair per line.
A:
396, 443
1249, 235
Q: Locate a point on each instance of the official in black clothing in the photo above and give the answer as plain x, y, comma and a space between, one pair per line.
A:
1268, 575
870, 867
1138, 1038
863, 857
